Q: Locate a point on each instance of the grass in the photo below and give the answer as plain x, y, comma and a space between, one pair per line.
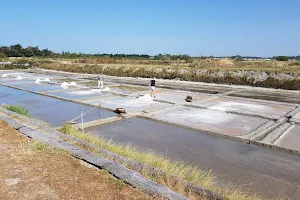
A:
193, 73
17, 109
182, 170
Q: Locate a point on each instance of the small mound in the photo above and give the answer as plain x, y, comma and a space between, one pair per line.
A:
106, 89
64, 85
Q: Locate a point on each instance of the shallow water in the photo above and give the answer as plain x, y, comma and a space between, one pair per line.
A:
79, 94
253, 95
291, 138
261, 170
130, 104
52, 110
269, 109
41, 87
210, 120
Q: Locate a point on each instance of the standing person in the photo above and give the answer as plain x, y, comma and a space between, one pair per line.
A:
100, 81
152, 86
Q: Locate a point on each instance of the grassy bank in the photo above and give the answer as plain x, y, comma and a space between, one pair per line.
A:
17, 109
276, 74
34, 170
185, 74
184, 171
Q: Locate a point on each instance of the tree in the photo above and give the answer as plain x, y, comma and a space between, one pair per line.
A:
2, 55
282, 58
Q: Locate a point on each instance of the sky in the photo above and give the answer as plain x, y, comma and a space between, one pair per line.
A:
194, 27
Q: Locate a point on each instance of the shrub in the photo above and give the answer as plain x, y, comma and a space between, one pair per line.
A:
282, 58
17, 109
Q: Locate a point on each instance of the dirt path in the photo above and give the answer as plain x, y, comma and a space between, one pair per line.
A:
33, 170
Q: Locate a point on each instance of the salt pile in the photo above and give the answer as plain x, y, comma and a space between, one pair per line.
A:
4, 75
106, 89
72, 84
38, 81
19, 78
64, 85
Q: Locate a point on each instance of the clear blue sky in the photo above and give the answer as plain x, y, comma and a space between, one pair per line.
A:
194, 27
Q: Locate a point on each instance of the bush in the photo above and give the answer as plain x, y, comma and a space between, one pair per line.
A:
17, 109
2, 55
282, 58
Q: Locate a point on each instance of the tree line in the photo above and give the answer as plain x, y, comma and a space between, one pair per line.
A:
17, 50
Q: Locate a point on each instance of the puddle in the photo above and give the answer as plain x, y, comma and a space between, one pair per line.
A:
209, 120
253, 95
234, 162
130, 104
291, 139
52, 110
223, 104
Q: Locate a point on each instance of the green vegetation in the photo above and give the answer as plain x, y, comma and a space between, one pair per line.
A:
39, 146
2, 55
17, 109
282, 58
18, 51
184, 171
234, 70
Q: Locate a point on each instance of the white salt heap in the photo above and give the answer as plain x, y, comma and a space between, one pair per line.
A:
64, 85
106, 89
38, 81
19, 78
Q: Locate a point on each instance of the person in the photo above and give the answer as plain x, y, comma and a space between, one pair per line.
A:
152, 85
100, 81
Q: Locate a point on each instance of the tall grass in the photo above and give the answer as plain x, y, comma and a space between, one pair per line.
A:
182, 170
190, 74
17, 109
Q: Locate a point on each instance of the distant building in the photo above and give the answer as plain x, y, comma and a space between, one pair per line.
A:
292, 59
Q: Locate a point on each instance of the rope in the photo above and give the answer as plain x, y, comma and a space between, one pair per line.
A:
88, 115
98, 93
84, 113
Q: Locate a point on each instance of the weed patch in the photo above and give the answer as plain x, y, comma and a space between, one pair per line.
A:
17, 109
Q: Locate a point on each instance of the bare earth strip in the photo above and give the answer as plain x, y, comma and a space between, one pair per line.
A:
31, 170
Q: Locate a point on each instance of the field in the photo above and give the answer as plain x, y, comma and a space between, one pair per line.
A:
260, 73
